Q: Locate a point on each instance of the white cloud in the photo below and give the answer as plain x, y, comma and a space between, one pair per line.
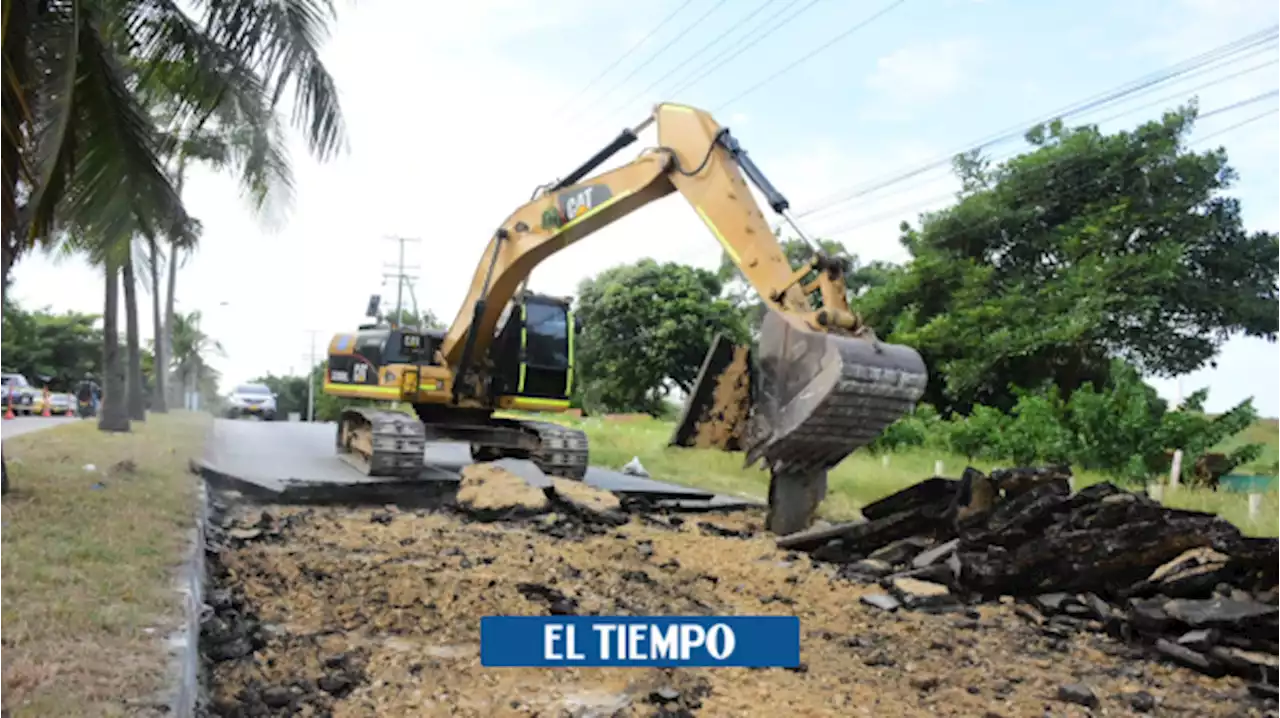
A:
924, 72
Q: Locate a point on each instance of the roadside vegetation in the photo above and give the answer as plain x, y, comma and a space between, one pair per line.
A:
94, 527
864, 476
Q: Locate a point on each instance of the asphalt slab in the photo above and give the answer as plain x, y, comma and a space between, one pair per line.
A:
280, 456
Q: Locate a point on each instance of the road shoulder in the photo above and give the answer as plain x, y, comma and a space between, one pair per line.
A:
96, 529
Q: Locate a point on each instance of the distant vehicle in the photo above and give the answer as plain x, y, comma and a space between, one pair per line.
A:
26, 398
60, 403
252, 400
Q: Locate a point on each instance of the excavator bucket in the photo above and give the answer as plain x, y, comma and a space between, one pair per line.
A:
803, 400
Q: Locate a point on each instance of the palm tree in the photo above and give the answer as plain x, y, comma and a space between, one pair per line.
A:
86, 80
137, 406
191, 346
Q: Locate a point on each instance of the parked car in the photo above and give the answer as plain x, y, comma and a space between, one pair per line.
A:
26, 398
252, 400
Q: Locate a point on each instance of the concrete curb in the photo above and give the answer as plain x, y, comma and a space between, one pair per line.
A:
184, 643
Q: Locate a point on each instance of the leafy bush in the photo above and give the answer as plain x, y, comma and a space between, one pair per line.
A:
917, 429
1125, 429
1037, 432
979, 435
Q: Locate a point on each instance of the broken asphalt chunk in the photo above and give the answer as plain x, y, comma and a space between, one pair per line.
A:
931, 496
1186, 657
1200, 640
1079, 694
1219, 612
882, 601
936, 554
901, 550
913, 593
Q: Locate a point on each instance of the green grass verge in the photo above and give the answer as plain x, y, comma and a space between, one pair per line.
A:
89, 562
859, 480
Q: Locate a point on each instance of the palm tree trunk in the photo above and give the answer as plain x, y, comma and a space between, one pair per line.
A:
137, 404
115, 412
169, 312
179, 178
5, 265
159, 403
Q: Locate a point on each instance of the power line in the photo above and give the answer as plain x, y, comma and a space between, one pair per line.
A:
722, 58
685, 62
1163, 100
809, 55
922, 205
664, 48
1018, 130
582, 93
1237, 125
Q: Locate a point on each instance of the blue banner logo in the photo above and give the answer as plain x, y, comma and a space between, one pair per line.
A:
641, 641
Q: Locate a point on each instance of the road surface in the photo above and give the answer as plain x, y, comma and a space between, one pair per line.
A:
20, 425
279, 454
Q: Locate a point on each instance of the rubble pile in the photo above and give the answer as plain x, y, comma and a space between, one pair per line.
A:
231, 635
375, 611
564, 509
1187, 585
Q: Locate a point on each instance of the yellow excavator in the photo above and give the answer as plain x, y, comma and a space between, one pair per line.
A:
817, 385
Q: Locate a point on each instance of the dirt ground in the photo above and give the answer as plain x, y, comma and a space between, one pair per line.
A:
368, 613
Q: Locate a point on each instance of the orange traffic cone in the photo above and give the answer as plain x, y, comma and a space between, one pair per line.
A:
8, 413
70, 411
45, 411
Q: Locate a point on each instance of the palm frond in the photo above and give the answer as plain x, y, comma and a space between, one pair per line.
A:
15, 113
219, 110
283, 39
58, 33
98, 147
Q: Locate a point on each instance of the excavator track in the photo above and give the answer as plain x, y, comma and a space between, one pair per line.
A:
381, 443
561, 451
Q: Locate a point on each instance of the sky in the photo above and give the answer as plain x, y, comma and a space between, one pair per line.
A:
455, 112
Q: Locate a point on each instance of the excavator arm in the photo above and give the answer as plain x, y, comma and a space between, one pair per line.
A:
818, 386
696, 157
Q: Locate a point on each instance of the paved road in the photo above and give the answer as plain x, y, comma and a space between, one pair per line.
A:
276, 454
20, 425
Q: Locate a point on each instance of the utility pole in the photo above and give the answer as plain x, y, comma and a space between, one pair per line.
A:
311, 378
400, 274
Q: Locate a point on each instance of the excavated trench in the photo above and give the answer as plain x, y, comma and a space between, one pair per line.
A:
332, 611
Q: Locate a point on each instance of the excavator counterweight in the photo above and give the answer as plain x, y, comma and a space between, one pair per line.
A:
817, 386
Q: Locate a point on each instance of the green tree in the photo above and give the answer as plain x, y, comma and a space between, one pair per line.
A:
646, 329
1089, 247
406, 317
39, 343
191, 349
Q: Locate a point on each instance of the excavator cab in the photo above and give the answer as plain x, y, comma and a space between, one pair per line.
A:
533, 354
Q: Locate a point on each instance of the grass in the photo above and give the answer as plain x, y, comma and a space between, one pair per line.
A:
1265, 432
89, 562
860, 479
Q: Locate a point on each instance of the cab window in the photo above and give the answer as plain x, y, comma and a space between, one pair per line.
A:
548, 335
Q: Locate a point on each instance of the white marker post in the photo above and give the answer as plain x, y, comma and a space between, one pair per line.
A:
884, 461
1175, 471
1255, 506
937, 468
